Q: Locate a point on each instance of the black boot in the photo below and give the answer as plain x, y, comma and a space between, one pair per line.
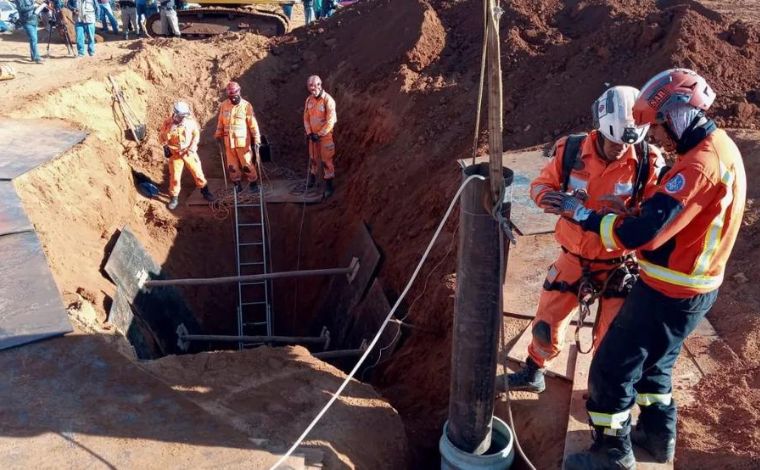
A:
606, 453
310, 180
656, 430
173, 203
530, 378
238, 187
329, 188
207, 194
661, 447
254, 187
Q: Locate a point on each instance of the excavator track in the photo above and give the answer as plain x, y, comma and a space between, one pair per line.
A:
211, 21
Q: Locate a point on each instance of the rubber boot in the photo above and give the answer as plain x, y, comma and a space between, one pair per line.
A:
329, 188
660, 446
207, 194
606, 453
238, 187
529, 379
310, 180
254, 187
173, 203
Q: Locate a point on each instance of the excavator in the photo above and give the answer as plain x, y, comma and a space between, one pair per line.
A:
213, 17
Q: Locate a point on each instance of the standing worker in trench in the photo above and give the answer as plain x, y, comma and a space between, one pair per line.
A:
238, 130
179, 135
683, 237
319, 118
613, 168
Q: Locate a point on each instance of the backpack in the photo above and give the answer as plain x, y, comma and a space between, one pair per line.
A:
572, 150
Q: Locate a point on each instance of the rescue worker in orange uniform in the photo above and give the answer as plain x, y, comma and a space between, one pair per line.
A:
179, 135
683, 237
237, 129
319, 118
605, 166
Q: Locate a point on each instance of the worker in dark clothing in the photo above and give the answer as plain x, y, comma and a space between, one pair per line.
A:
683, 237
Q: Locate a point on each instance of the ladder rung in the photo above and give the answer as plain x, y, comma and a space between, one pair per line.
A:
256, 323
251, 244
258, 283
253, 303
248, 224
249, 205
252, 264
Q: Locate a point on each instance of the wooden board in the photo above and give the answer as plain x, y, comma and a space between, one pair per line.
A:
28, 143
31, 308
275, 191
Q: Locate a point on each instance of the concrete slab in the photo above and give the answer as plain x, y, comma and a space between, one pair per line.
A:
525, 214
28, 313
26, 144
12, 216
275, 191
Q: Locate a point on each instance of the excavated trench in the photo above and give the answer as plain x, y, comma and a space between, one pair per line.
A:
404, 118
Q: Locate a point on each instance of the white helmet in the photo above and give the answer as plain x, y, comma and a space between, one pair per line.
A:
181, 109
613, 115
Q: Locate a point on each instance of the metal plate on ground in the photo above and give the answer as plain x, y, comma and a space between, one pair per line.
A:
30, 305
27, 144
162, 309
131, 327
525, 214
275, 191
342, 295
365, 321
12, 216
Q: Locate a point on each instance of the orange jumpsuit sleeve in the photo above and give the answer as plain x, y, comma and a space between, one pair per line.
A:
331, 116
219, 123
163, 133
306, 120
671, 209
549, 178
252, 124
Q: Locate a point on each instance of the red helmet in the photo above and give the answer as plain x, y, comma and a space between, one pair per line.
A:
233, 89
668, 89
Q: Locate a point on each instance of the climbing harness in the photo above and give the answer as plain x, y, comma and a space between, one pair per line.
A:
619, 281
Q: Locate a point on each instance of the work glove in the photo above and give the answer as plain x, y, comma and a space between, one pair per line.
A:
569, 206
314, 137
167, 152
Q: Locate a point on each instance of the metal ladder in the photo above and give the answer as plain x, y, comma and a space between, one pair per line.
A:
254, 312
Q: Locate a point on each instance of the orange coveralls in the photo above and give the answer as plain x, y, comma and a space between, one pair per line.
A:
598, 178
319, 117
182, 139
237, 126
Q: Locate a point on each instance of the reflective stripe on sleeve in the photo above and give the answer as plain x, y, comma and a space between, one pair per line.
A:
610, 420
606, 233
714, 232
647, 399
678, 278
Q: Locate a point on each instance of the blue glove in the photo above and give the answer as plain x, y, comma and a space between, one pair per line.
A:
568, 206
314, 137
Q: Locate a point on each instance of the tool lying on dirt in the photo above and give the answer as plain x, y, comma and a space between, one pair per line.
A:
7, 72
137, 130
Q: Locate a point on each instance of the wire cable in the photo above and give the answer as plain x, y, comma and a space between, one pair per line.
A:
382, 327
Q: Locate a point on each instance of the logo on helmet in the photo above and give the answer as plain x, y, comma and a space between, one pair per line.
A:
656, 100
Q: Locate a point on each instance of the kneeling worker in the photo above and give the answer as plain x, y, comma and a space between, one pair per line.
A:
179, 135
605, 166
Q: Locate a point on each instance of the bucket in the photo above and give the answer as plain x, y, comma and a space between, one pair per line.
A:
500, 456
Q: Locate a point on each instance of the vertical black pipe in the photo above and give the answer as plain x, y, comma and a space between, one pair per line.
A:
477, 317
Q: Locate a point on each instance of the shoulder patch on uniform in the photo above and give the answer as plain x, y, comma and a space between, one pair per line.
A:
675, 183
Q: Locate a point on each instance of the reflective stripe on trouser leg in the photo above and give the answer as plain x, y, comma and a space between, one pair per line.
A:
648, 399
327, 153
194, 165
610, 420
175, 174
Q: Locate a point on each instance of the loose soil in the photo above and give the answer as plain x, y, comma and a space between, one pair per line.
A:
405, 77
